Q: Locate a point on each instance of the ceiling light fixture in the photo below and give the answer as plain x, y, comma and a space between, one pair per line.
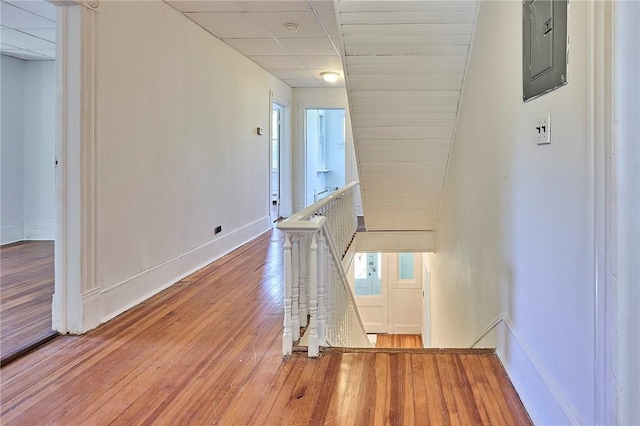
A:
291, 27
330, 76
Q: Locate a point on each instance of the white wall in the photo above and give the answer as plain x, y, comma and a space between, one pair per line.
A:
39, 147
177, 150
627, 161
318, 98
12, 149
515, 233
28, 141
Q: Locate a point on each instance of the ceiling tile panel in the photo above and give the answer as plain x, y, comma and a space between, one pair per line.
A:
328, 20
205, 6
277, 62
257, 46
323, 5
291, 74
308, 46
275, 6
274, 23
229, 24
320, 62
303, 83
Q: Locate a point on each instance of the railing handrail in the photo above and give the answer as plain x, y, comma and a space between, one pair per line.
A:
299, 221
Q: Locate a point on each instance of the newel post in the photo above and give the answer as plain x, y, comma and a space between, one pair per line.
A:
287, 338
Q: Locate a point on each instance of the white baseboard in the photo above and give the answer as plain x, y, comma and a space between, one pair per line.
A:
39, 231
406, 329
128, 293
11, 234
538, 391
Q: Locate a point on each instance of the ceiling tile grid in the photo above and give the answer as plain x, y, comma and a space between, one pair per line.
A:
404, 66
257, 30
27, 29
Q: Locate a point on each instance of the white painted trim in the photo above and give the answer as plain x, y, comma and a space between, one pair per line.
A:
11, 234
406, 329
492, 325
602, 115
39, 231
396, 241
128, 293
76, 221
286, 169
91, 308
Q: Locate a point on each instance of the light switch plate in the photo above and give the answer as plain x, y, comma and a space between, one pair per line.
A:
543, 130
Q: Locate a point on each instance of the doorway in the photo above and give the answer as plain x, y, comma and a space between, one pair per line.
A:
388, 291
325, 141
277, 116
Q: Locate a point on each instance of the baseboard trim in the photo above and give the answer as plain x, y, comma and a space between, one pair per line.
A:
132, 291
39, 231
11, 234
507, 353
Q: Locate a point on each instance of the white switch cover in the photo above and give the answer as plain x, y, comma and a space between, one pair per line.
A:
543, 130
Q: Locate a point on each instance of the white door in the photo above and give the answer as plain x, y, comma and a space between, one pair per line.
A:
388, 291
370, 290
405, 293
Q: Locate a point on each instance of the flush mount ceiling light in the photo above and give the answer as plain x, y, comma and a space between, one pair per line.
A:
330, 76
291, 27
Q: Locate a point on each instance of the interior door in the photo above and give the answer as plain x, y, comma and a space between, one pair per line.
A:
370, 290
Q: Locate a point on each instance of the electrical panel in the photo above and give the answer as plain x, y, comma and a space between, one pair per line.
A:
544, 46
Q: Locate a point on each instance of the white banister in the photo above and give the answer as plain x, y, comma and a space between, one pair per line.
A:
316, 284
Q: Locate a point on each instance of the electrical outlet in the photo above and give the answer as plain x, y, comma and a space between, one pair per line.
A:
218, 230
543, 130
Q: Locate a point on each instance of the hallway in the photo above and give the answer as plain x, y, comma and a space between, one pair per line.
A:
208, 351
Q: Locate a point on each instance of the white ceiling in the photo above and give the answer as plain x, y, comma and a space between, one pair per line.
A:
28, 29
405, 62
256, 29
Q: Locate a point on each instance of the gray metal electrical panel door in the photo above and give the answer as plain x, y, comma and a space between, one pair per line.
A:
544, 46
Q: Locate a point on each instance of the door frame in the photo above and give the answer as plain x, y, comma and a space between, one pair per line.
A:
285, 207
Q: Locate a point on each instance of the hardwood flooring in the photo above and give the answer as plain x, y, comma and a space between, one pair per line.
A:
406, 341
26, 289
208, 351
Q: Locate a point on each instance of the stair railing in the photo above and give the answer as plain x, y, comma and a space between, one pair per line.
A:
316, 287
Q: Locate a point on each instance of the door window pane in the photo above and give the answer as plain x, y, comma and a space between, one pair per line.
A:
367, 274
405, 266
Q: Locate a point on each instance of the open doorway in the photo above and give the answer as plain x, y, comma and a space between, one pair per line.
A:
277, 118
325, 140
27, 220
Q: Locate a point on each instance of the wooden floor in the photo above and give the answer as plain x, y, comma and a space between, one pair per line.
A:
405, 341
26, 289
208, 351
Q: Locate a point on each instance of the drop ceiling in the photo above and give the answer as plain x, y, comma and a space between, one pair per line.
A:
28, 29
257, 30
